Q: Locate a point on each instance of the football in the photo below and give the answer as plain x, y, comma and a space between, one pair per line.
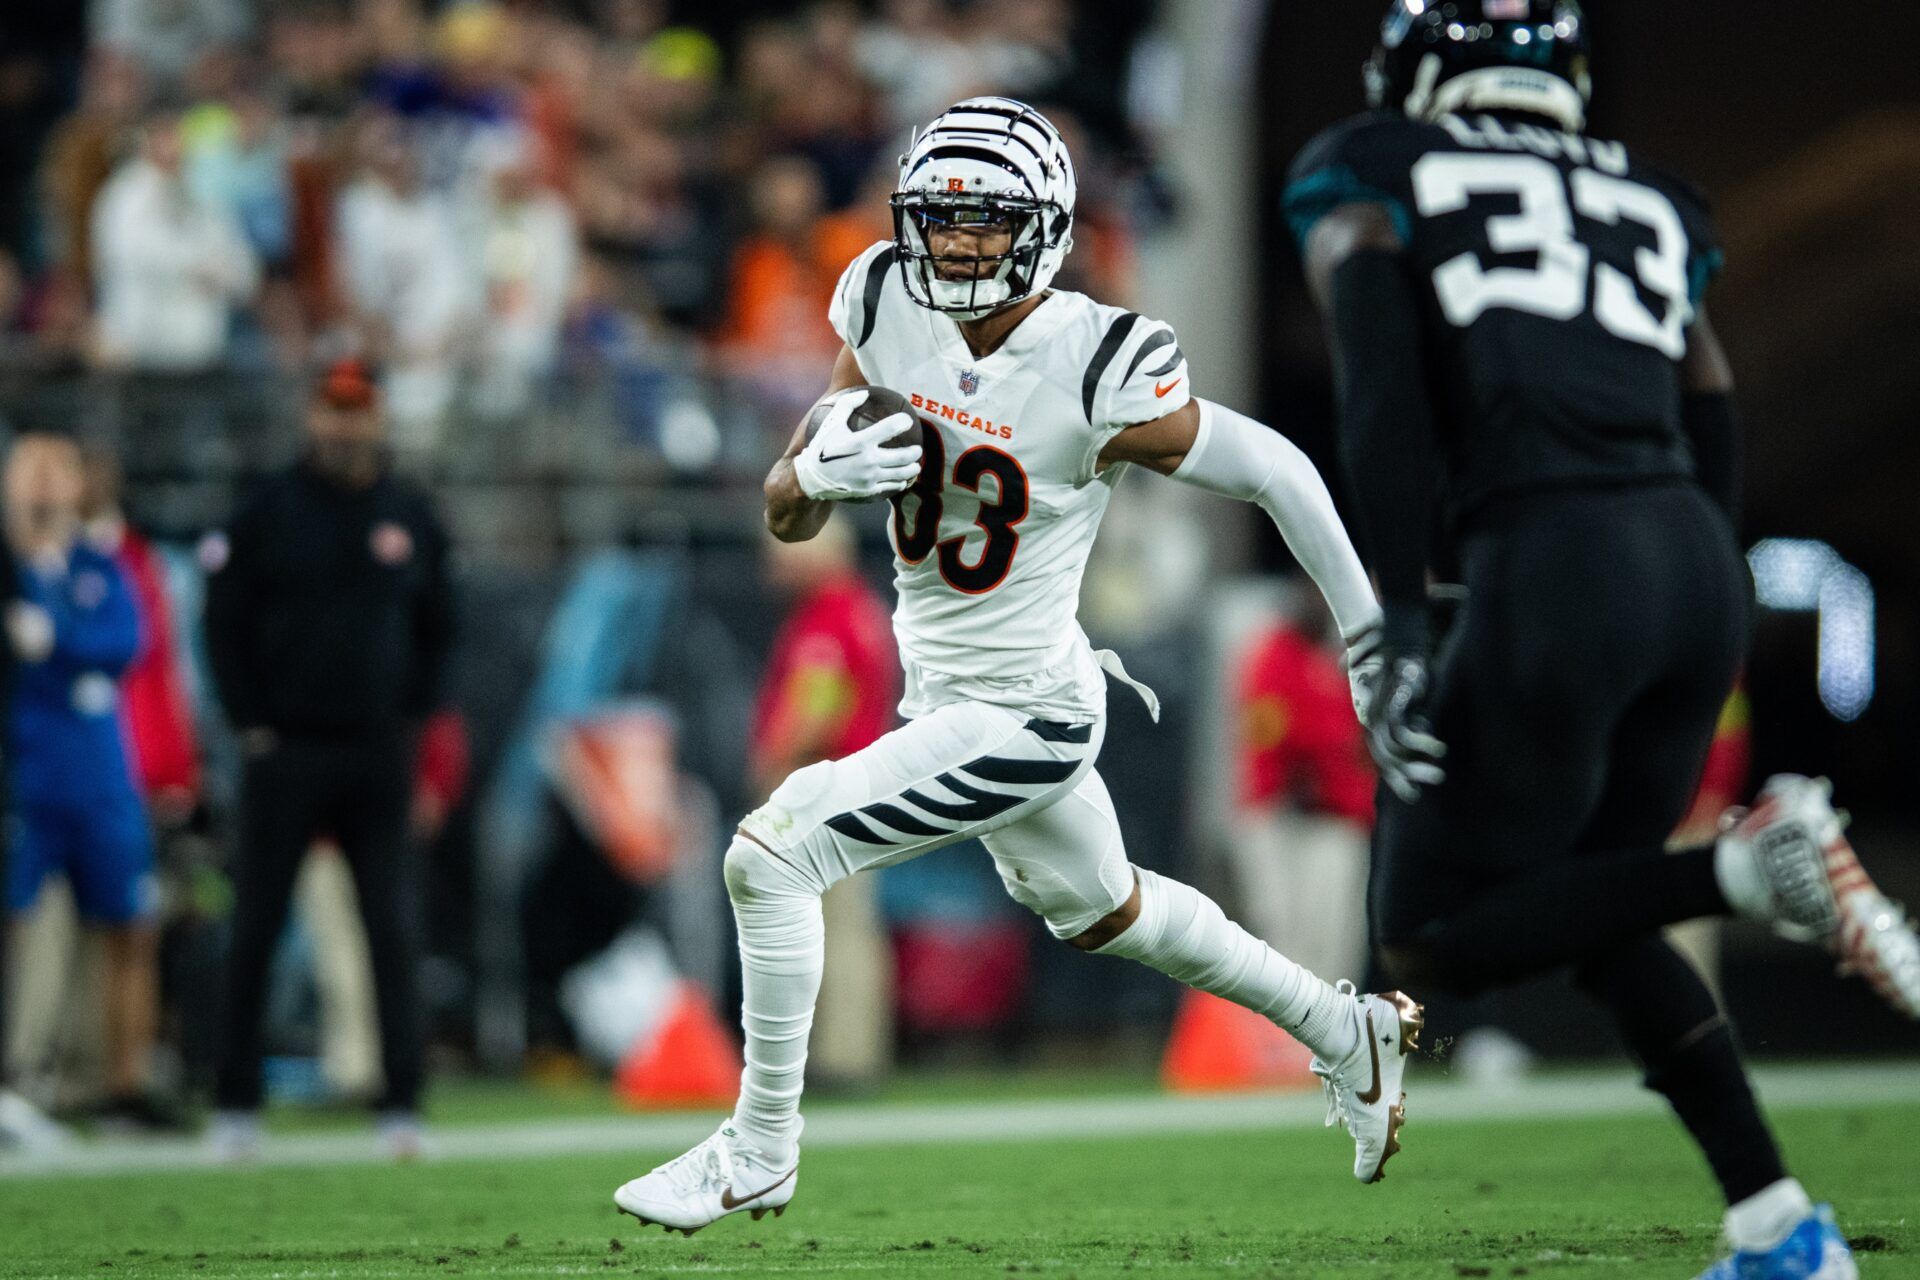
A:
880, 403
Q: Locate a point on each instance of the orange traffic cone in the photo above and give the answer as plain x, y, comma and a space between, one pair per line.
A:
688, 1060
1218, 1046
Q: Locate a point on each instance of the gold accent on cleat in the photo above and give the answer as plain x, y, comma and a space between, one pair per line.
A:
1396, 1116
1413, 1019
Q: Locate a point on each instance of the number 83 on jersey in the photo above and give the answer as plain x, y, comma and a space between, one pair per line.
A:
967, 561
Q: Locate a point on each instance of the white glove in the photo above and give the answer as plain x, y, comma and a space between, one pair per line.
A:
1365, 664
841, 464
1390, 700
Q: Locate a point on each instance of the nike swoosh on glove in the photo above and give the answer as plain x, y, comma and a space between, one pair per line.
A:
842, 463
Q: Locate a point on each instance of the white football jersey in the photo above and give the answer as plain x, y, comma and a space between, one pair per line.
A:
990, 545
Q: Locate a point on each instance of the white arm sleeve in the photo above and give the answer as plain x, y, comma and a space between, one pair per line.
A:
1236, 457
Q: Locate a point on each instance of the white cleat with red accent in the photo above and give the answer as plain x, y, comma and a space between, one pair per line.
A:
721, 1176
1363, 1089
1787, 861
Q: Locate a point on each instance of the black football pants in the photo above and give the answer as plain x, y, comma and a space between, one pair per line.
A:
358, 793
1577, 693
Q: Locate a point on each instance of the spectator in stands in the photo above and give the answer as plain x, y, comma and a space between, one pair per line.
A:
169, 267
454, 89
74, 630
237, 162
924, 58
155, 709
829, 690
528, 258
405, 281
23, 1127
329, 618
776, 336
168, 37
80, 155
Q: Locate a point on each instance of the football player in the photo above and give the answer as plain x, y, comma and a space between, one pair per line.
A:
1523, 360
1033, 402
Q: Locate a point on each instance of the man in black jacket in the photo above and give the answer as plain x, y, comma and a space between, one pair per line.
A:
329, 617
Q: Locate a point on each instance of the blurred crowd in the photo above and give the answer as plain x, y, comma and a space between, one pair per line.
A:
478, 207
485, 197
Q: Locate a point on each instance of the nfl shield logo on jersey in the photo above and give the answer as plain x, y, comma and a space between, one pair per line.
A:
969, 381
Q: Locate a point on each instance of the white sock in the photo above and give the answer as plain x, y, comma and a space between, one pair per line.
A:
1184, 934
1768, 1216
782, 951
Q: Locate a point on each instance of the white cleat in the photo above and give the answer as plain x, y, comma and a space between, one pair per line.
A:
24, 1127
234, 1137
721, 1176
403, 1136
1363, 1089
1791, 856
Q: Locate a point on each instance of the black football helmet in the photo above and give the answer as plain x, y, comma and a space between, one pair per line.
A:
1436, 57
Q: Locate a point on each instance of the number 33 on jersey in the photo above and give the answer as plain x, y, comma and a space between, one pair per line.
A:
991, 542
1563, 272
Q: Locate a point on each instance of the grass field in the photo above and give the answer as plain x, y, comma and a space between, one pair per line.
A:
1609, 1196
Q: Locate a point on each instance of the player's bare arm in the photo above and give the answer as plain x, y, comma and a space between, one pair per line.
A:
1160, 445
791, 515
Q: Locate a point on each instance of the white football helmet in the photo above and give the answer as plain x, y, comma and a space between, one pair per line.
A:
982, 162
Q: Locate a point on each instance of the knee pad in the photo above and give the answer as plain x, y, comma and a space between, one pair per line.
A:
796, 807
1070, 907
754, 874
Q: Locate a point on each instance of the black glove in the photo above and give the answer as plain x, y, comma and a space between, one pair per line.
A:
1394, 706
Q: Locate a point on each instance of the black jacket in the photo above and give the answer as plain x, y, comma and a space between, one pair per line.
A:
329, 610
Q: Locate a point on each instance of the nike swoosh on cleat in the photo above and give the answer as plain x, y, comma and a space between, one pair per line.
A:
1372, 1095
1161, 390
727, 1200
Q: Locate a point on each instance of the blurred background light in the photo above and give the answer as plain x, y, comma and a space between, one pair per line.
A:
1805, 575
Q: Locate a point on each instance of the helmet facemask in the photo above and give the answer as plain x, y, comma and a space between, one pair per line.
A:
968, 286
984, 163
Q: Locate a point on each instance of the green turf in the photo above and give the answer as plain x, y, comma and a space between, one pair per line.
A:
1591, 1198
482, 1101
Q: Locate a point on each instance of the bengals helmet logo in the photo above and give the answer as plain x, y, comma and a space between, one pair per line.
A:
956, 184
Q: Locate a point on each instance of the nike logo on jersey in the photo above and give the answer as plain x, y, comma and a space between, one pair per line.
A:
1372, 1095
729, 1201
1160, 389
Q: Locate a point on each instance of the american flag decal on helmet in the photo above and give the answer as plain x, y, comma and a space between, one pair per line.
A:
969, 381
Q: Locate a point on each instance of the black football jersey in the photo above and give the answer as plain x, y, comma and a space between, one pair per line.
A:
1560, 275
